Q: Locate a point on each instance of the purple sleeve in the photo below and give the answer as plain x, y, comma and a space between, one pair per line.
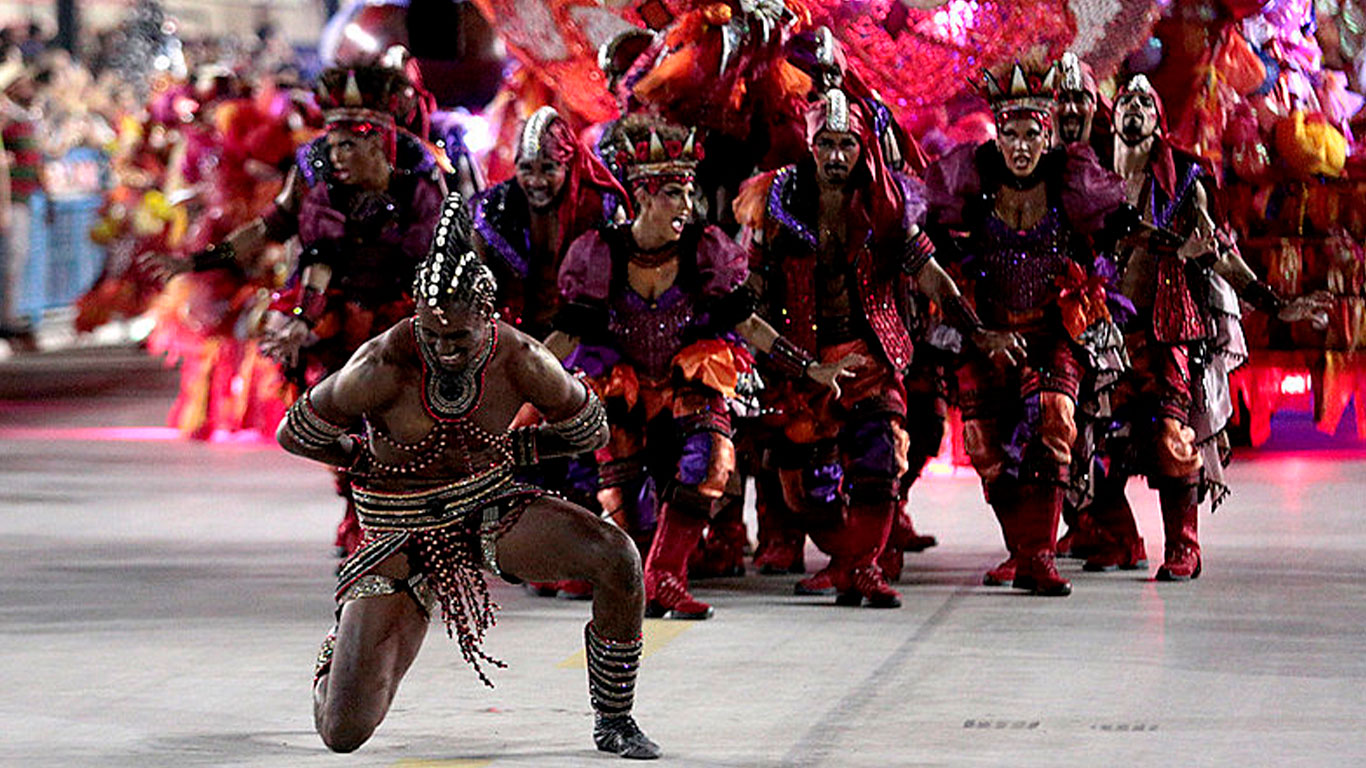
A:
1091, 191
722, 265
280, 224
916, 197
586, 272
426, 209
318, 220
949, 184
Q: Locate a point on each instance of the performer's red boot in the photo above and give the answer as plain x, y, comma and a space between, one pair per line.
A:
782, 545
574, 589
854, 548
1081, 539
722, 553
819, 584
902, 539
1180, 514
1003, 498
1119, 546
1039, 508
666, 580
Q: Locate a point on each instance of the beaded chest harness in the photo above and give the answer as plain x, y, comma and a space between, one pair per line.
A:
449, 398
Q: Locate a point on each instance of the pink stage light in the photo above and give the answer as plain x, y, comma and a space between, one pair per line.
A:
129, 435
94, 434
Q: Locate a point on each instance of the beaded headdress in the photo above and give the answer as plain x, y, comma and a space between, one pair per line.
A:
654, 162
1140, 84
1033, 93
452, 273
835, 112
1076, 75
546, 133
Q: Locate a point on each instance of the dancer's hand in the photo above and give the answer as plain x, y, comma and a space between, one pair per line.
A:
283, 337
829, 374
1003, 348
1202, 241
613, 503
162, 266
1313, 307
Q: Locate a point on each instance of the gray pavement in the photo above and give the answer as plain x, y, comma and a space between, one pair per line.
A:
161, 602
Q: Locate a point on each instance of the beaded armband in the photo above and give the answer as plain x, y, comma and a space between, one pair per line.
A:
958, 314
580, 429
576, 434
1262, 296
790, 359
310, 429
703, 421
213, 257
919, 251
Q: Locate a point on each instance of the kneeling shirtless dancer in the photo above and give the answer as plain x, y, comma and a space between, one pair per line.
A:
421, 416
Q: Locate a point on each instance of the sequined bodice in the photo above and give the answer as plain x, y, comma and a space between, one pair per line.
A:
1019, 267
649, 333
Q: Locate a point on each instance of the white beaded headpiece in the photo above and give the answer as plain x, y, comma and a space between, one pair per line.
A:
452, 272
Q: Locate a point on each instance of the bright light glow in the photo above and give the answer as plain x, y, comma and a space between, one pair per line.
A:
1295, 384
141, 327
360, 37
953, 20
478, 133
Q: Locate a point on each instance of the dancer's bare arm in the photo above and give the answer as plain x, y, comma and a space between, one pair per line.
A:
320, 424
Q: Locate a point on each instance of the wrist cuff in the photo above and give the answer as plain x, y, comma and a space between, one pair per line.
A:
791, 360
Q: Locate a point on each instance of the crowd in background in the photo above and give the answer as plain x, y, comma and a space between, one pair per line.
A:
103, 98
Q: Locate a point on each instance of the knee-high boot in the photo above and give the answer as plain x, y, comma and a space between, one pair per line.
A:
1180, 500
782, 543
854, 546
903, 537
1038, 510
1004, 498
1119, 545
866, 528
722, 552
612, 669
681, 524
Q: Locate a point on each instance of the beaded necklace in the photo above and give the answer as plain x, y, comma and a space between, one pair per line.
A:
451, 397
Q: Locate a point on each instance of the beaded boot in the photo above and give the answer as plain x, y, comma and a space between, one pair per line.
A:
612, 669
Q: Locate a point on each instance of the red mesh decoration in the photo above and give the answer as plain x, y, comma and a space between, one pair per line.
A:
1110, 30
945, 46
558, 40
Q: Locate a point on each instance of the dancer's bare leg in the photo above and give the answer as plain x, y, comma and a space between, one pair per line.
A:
377, 640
